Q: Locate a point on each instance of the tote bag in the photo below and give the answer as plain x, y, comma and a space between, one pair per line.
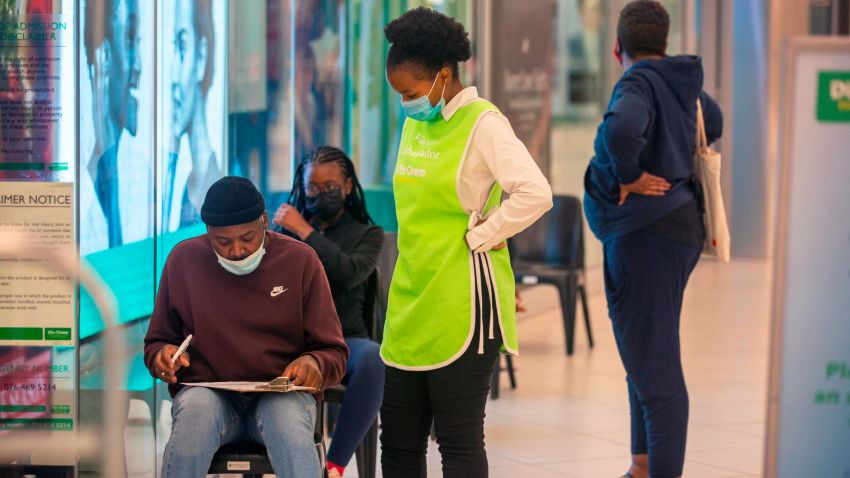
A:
707, 173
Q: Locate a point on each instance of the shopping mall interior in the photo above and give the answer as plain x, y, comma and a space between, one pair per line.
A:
110, 103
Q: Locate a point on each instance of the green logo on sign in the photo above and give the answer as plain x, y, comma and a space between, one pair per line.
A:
834, 96
57, 334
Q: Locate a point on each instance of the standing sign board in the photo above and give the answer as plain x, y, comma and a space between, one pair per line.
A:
809, 419
38, 327
521, 66
36, 299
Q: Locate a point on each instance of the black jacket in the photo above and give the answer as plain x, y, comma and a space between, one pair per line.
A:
349, 251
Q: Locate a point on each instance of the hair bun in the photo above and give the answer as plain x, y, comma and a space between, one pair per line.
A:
426, 33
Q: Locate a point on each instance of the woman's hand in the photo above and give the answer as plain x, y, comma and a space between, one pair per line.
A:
498, 246
646, 185
290, 219
520, 304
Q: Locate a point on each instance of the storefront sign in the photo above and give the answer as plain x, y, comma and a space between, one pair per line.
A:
834, 96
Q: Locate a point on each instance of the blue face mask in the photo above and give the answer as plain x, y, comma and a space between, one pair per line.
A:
246, 265
421, 109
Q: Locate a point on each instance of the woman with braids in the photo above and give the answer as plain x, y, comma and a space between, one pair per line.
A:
451, 304
327, 210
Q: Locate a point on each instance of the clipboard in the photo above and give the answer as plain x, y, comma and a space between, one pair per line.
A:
278, 385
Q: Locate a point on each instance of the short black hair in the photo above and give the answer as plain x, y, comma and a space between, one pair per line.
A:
643, 27
427, 40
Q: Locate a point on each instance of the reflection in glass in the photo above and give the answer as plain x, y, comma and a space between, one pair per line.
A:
116, 185
374, 118
193, 71
116, 76
113, 63
318, 68
279, 69
577, 82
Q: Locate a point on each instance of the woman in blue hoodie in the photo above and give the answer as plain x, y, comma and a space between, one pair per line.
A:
642, 203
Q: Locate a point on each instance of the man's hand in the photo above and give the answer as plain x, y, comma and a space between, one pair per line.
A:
290, 219
646, 185
165, 370
304, 372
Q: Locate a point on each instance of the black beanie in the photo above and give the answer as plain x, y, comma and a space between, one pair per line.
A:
230, 201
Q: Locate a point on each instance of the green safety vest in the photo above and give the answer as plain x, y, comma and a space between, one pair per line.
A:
431, 311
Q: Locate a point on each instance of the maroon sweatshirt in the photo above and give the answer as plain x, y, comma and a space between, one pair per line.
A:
250, 327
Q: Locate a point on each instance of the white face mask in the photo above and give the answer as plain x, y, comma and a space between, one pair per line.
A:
246, 265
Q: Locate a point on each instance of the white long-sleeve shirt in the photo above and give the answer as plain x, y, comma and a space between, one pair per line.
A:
496, 155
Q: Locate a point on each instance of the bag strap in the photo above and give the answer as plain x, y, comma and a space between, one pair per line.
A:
702, 140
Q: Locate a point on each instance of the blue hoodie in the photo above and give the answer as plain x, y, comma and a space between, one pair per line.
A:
650, 127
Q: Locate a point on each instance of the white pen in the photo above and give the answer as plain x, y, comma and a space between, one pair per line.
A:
181, 349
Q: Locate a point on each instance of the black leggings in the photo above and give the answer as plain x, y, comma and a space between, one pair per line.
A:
453, 398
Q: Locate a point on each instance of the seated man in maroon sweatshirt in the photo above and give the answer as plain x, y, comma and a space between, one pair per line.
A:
259, 306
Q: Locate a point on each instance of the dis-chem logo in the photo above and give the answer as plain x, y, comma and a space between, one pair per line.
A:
833, 96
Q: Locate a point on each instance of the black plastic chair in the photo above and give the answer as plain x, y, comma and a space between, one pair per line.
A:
496, 378
386, 264
248, 458
551, 251
252, 460
366, 454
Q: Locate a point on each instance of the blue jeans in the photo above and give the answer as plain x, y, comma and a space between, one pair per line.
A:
204, 419
364, 380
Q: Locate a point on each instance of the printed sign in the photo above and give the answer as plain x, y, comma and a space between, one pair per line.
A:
834, 96
37, 299
36, 97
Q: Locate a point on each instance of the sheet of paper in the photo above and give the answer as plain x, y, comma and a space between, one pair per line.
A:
247, 387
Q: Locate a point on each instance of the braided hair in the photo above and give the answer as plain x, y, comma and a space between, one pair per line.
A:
355, 202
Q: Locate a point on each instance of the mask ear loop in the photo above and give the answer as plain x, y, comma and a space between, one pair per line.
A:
442, 95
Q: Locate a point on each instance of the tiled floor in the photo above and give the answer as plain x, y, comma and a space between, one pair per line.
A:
569, 417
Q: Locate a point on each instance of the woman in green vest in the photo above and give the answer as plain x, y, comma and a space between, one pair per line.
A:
451, 302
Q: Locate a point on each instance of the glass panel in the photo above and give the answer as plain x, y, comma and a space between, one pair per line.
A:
117, 134
579, 95
248, 42
375, 114
36, 107
260, 132
279, 68
192, 135
675, 41
319, 63
191, 122
820, 17
38, 328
